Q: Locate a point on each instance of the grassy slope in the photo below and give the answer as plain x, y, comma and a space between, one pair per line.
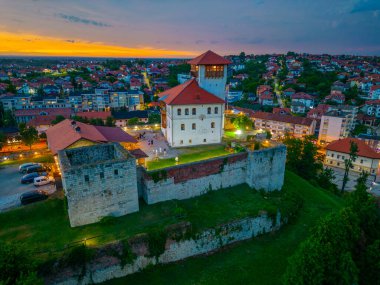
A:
46, 158
44, 226
259, 261
189, 155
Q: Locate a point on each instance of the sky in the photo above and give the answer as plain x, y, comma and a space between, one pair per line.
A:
175, 28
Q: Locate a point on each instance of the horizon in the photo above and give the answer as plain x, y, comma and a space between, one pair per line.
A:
168, 29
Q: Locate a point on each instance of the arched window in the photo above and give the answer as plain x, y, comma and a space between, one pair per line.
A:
209, 110
179, 112
187, 111
216, 110
194, 111
182, 127
212, 125
194, 126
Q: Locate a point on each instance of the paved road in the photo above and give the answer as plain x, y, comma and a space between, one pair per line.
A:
146, 79
11, 187
278, 93
353, 176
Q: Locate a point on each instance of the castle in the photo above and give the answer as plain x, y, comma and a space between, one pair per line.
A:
104, 180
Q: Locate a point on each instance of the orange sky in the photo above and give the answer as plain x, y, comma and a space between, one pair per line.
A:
36, 45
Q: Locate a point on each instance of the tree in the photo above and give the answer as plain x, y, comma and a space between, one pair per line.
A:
3, 139
29, 136
110, 122
325, 179
58, 119
348, 163
242, 122
133, 121
242, 56
17, 265
154, 118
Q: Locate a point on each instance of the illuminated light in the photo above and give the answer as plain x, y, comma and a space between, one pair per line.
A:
238, 132
20, 155
36, 153
5, 158
156, 125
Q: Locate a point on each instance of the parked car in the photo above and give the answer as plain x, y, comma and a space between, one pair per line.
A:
35, 168
22, 168
29, 178
42, 180
33, 196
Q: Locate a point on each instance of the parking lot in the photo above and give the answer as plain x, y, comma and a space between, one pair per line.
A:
11, 187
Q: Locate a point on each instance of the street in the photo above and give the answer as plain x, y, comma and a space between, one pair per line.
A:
11, 187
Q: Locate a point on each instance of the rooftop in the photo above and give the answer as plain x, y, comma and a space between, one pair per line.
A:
209, 57
189, 93
343, 145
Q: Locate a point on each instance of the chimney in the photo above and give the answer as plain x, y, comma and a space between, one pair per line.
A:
73, 124
77, 129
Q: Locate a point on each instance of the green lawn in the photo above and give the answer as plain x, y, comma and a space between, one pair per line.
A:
189, 155
262, 260
46, 158
44, 226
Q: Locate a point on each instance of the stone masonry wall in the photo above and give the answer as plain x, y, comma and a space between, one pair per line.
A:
266, 168
194, 179
261, 169
96, 187
108, 267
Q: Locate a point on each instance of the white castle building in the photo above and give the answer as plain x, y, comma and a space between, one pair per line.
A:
192, 113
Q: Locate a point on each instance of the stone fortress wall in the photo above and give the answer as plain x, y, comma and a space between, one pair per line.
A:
99, 181
260, 169
103, 180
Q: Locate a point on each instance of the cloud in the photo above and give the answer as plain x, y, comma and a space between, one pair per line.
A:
75, 19
70, 41
198, 42
365, 6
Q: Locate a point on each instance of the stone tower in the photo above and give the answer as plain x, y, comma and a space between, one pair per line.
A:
210, 69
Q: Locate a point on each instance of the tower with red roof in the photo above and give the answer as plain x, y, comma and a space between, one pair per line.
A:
192, 113
210, 70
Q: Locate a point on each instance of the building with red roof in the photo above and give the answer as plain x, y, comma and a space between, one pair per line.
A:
338, 151
71, 134
192, 113
279, 124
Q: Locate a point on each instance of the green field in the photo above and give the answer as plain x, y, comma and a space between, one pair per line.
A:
45, 158
44, 226
190, 155
262, 260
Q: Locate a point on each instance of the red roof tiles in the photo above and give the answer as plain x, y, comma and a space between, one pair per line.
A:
189, 93
282, 118
63, 134
209, 57
344, 145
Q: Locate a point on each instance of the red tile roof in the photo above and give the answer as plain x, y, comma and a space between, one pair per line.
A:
344, 145
94, 115
189, 93
282, 118
209, 57
41, 120
62, 135
66, 112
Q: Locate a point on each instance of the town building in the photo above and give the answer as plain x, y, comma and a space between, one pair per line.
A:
279, 124
336, 124
339, 150
192, 113
72, 134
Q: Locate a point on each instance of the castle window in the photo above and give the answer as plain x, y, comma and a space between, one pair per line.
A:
194, 126
86, 178
116, 172
190, 141
181, 142
214, 71
101, 175
194, 111
182, 127
187, 111
216, 110
209, 110
204, 140
179, 112
212, 125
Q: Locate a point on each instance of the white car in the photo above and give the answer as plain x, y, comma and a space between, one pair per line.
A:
42, 180
374, 189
